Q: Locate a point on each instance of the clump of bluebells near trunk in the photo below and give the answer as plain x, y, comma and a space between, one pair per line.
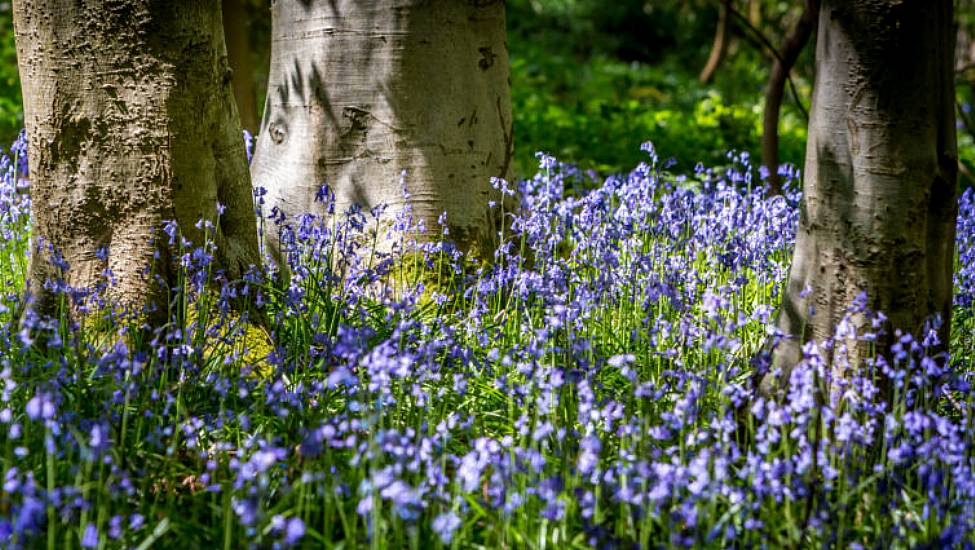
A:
592, 387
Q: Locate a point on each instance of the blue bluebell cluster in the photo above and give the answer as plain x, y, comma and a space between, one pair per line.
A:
589, 386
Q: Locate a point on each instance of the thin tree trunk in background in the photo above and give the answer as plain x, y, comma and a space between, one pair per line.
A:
755, 12
781, 67
720, 45
361, 91
130, 121
880, 192
260, 29
236, 28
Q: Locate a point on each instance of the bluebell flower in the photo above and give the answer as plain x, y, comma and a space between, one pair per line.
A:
294, 531
41, 407
444, 525
89, 539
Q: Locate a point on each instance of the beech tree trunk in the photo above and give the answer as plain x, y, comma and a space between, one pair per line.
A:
755, 12
361, 91
131, 121
879, 204
236, 28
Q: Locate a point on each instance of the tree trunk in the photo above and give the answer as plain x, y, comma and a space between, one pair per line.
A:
879, 204
361, 91
781, 67
236, 28
131, 121
720, 45
755, 12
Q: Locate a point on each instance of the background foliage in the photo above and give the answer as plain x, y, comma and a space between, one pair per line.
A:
11, 115
592, 80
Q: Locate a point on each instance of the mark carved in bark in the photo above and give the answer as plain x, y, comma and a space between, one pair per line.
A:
487, 58
277, 133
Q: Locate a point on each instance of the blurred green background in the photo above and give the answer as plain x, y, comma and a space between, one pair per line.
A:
593, 79
11, 115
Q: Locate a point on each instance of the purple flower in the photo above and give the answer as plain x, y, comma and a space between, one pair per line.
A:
621, 360
248, 145
246, 510
136, 521
589, 457
90, 537
31, 516
41, 407
115, 527
294, 530
444, 525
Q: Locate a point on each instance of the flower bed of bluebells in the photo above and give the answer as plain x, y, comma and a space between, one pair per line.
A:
590, 387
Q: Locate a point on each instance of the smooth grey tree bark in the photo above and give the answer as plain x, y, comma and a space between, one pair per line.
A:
361, 91
879, 204
131, 121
